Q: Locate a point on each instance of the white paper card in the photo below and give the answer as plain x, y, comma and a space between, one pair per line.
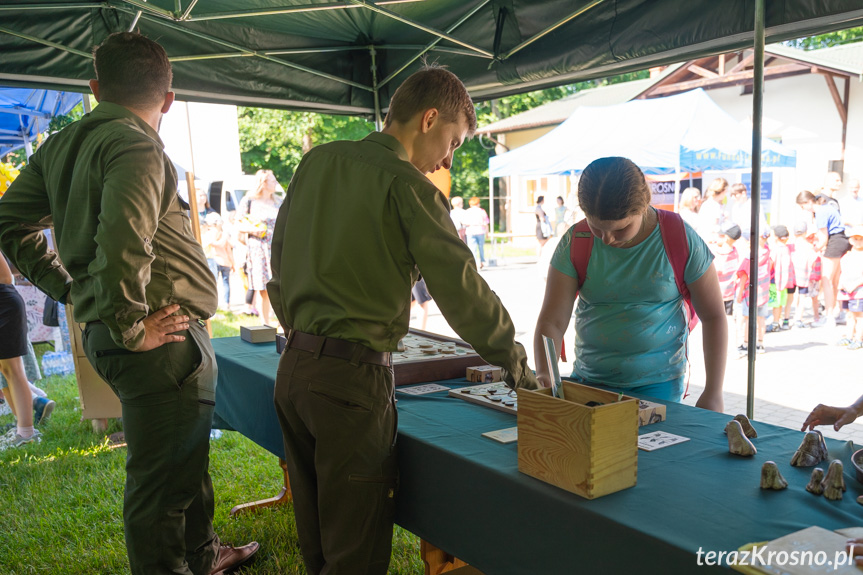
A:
422, 389
658, 440
507, 435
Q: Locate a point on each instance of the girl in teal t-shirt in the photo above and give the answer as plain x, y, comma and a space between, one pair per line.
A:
631, 331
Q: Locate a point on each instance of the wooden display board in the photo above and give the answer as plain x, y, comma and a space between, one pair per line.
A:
432, 357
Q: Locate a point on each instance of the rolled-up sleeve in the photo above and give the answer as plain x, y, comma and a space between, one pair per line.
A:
24, 212
129, 216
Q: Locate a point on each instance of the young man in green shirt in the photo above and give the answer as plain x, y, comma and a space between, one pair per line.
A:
359, 223
139, 281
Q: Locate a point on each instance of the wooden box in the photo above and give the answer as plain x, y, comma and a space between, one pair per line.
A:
258, 333
484, 374
589, 451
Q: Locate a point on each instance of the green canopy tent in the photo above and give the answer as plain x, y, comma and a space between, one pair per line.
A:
347, 57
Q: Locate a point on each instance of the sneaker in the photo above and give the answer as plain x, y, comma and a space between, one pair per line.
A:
42, 408
786, 325
855, 345
844, 341
830, 322
772, 327
820, 322
760, 348
12, 440
799, 325
742, 351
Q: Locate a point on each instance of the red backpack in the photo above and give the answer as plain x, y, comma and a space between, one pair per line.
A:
676, 248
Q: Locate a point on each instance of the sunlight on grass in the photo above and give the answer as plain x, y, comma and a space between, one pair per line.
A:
61, 500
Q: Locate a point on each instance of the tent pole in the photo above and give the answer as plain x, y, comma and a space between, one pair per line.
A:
85, 101
379, 125
28, 146
491, 215
757, 108
677, 175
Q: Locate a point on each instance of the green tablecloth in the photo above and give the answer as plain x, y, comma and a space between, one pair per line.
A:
463, 492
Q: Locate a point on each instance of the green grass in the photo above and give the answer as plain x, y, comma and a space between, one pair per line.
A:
61, 500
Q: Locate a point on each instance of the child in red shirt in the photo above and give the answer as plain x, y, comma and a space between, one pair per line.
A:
762, 295
727, 261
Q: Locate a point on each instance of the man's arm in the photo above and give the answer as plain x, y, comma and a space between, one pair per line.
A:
466, 301
24, 213
837, 416
131, 206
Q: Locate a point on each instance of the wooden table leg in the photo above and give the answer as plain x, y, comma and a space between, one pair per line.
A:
436, 560
283, 497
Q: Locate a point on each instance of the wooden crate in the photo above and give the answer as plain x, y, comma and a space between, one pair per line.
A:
589, 451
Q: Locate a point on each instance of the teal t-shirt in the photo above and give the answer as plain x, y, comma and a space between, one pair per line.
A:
630, 323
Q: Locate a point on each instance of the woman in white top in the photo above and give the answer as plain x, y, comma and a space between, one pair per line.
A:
711, 214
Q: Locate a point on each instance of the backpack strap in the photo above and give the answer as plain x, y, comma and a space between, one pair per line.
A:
580, 247
676, 245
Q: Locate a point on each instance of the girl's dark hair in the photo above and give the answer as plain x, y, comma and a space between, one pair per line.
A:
806, 196
613, 189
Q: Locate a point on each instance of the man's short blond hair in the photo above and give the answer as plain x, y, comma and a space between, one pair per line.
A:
432, 87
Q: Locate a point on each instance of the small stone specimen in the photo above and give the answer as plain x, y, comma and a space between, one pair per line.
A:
771, 478
748, 430
738, 444
860, 499
815, 481
812, 450
834, 482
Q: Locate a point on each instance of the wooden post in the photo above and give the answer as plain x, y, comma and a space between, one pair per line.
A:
196, 223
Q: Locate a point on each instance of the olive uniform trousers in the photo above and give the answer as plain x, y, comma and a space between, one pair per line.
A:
168, 397
339, 424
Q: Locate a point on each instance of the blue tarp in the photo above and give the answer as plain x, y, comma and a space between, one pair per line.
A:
688, 131
26, 113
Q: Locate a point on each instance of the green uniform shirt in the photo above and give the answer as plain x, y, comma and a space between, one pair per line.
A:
124, 238
357, 221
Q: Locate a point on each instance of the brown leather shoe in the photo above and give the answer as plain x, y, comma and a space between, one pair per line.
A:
231, 557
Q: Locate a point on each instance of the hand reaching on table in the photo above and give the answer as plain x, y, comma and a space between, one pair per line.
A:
826, 415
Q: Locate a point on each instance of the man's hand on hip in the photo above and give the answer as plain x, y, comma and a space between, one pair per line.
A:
160, 326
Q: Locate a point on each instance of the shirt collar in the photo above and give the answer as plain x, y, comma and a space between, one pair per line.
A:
390, 142
110, 109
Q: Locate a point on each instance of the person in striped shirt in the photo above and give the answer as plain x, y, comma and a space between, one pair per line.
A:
762, 298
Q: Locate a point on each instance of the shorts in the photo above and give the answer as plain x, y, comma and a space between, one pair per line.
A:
815, 289
855, 305
791, 290
763, 310
729, 307
803, 290
778, 298
13, 323
837, 245
420, 292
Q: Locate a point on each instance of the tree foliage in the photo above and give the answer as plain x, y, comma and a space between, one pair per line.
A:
827, 40
277, 139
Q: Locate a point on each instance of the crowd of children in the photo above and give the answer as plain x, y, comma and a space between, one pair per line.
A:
789, 278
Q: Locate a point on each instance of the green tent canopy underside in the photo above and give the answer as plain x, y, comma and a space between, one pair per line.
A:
347, 57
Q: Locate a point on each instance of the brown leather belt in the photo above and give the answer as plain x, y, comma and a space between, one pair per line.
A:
332, 347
